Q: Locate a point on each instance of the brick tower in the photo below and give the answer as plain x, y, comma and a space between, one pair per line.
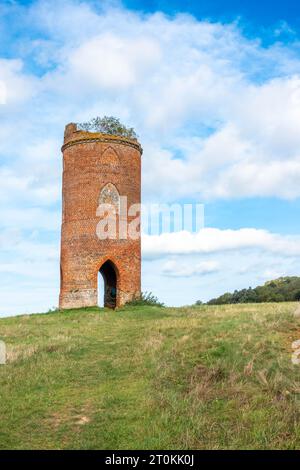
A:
98, 168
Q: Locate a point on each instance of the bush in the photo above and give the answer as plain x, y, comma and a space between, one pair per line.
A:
107, 125
53, 310
146, 298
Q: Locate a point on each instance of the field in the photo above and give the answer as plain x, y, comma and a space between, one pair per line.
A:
207, 377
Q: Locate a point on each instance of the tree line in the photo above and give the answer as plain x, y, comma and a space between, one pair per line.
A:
284, 289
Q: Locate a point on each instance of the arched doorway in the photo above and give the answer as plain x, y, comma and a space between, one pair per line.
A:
109, 274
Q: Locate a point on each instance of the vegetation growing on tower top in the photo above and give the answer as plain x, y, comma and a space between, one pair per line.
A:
108, 125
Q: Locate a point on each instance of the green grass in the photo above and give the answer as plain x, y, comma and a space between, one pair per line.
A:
208, 377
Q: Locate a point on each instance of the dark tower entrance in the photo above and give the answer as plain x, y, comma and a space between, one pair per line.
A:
109, 275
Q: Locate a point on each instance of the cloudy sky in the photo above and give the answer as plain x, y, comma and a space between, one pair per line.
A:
213, 91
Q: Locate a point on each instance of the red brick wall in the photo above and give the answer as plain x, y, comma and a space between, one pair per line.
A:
90, 161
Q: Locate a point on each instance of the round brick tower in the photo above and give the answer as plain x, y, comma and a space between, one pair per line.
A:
98, 168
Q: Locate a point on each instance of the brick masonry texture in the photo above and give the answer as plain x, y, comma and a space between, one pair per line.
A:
90, 162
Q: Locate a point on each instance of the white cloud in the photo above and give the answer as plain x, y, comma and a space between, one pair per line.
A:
236, 269
213, 240
113, 62
175, 268
3, 93
33, 188
18, 86
226, 105
30, 218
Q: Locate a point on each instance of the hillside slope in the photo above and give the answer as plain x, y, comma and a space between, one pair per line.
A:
200, 377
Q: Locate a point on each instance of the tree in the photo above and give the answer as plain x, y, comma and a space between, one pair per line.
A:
297, 295
108, 125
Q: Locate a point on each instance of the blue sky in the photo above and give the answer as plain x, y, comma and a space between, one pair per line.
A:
213, 90
262, 14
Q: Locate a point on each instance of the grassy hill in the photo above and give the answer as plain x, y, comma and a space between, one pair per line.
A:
207, 377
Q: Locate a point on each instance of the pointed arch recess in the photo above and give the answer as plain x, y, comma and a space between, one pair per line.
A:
109, 194
110, 157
